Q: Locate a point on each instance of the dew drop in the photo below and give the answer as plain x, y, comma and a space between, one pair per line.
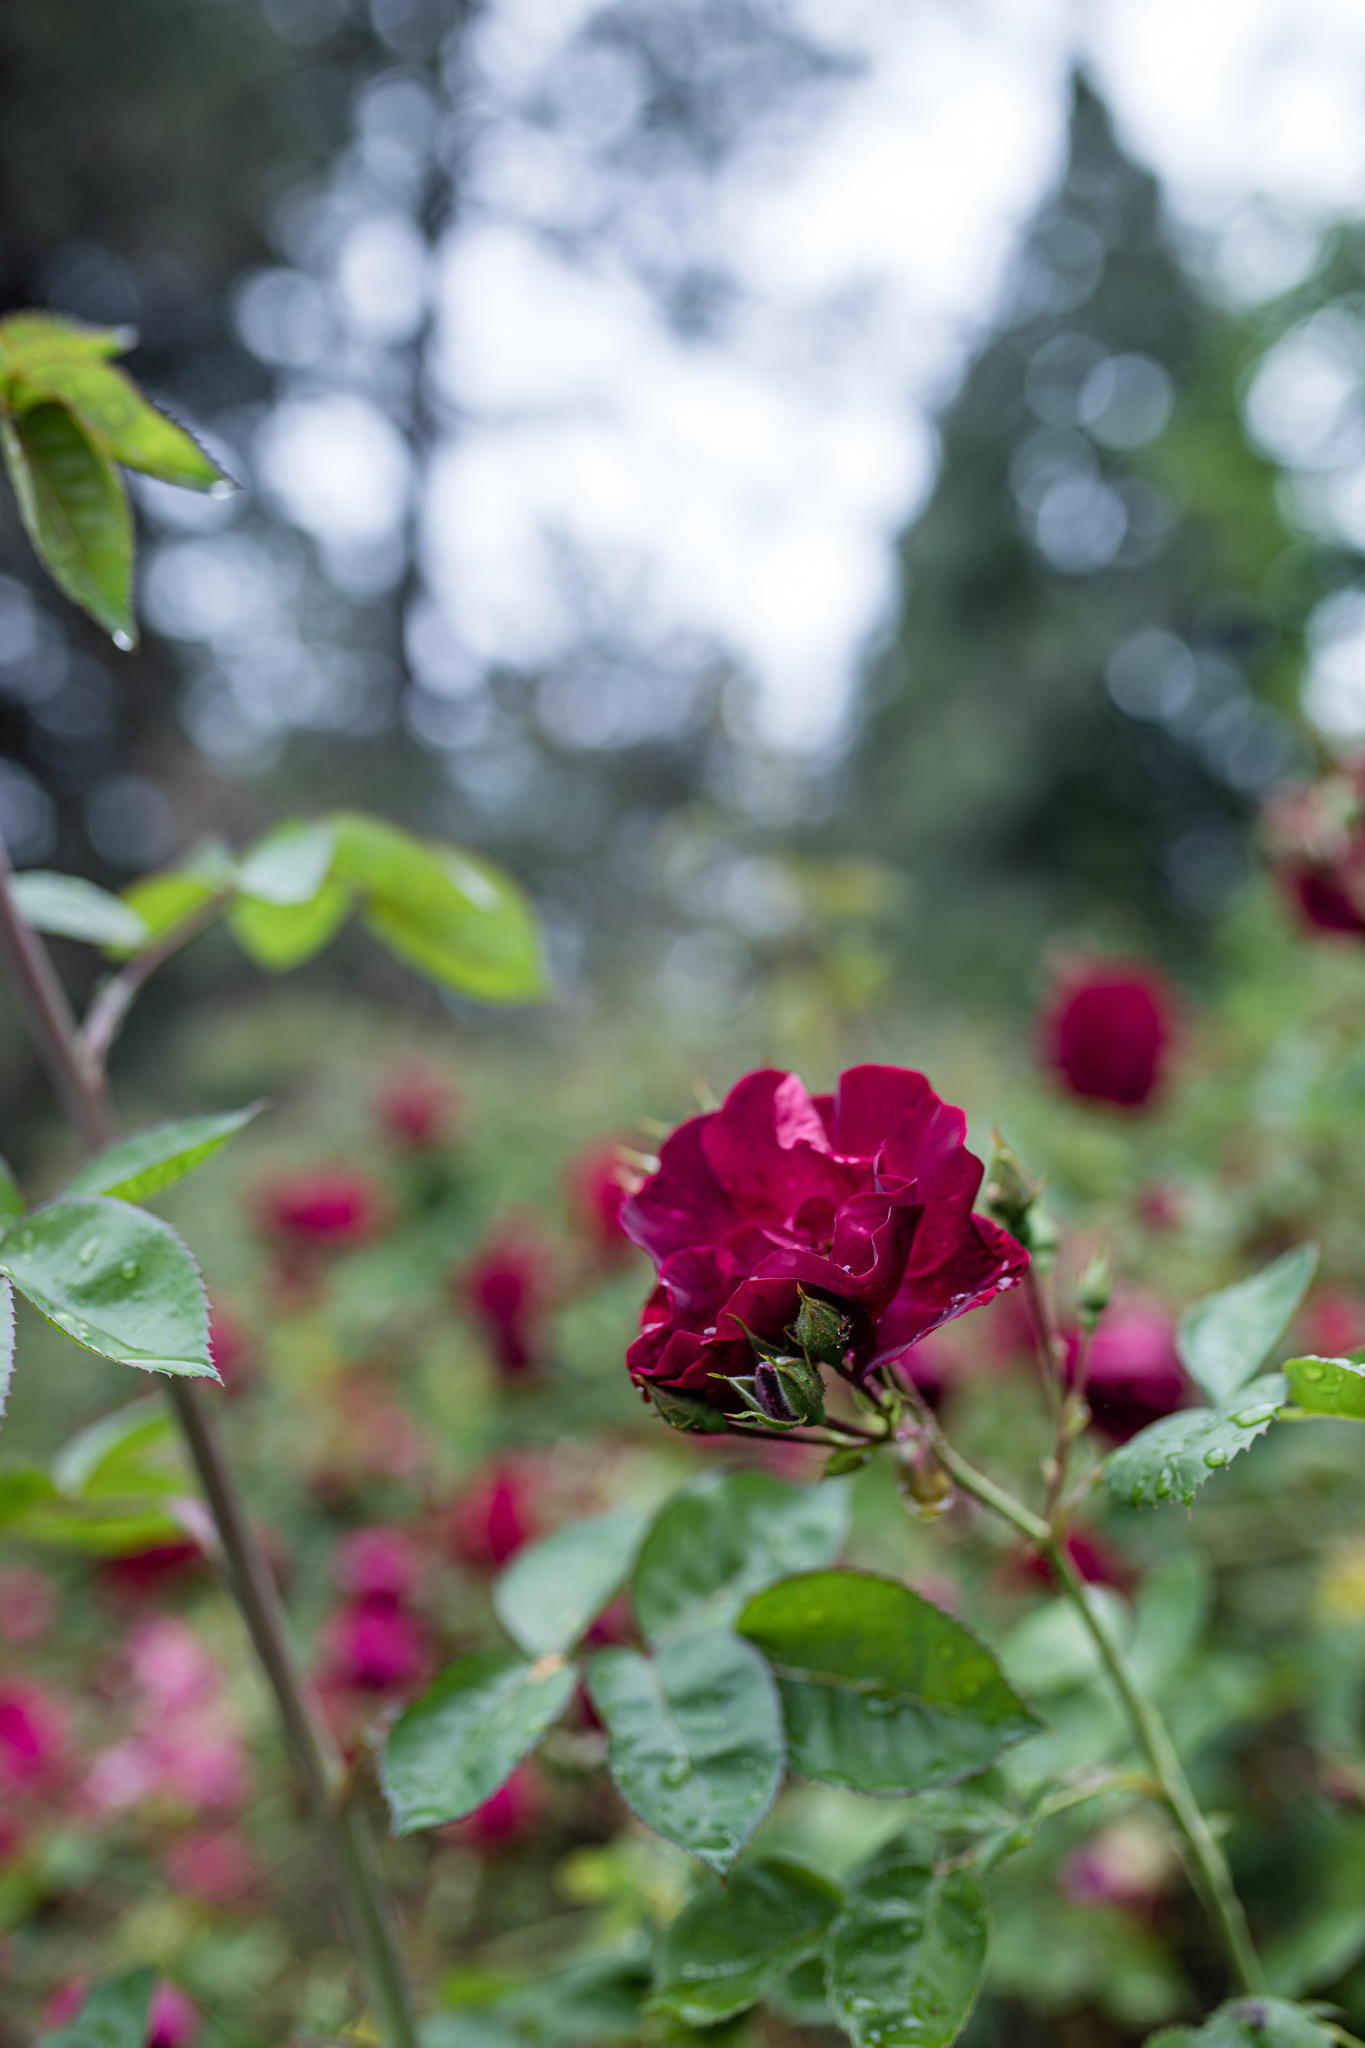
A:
676, 1772
1215, 1458
88, 1250
224, 488
1162, 1489
1247, 1418
124, 641
1314, 1372
26, 1241
129, 1269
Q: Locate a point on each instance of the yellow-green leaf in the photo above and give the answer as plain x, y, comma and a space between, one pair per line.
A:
278, 936
75, 511
114, 412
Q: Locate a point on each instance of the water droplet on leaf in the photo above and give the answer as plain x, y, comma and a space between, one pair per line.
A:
124, 641
88, 1250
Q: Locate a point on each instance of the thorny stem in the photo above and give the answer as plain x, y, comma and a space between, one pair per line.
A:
1071, 1416
1212, 1878
80, 1086
1044, 1340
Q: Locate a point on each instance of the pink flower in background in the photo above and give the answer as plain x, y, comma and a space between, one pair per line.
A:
218, 1866
494, 1517
327, 1209
504, 1289
598, 1180
28, 1603
1135, 1375
373, 1646
863, 1198
65, 2002
417, 1107
1108, 1031
34, 1734
185, 1742
377, 1564
1334, 1321
1128, 1864
173, 2021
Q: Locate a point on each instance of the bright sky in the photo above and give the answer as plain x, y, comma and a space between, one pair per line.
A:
743, 487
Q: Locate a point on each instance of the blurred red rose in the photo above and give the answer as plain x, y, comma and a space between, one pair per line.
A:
66, 2001
326, 1209
216, 1867
1334, 1321
493, 1517
504, 1288
1315, 837
1107, 1032
1135, 1375
863, 1198
511, 1813
417, 1107
598, 1180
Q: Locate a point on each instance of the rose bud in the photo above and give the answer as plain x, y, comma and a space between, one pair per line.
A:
494, 1517
1107, 1032
173, 2021
417, 1108
503, 1289
373, 1647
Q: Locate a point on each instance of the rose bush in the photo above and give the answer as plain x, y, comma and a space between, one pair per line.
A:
862, 1199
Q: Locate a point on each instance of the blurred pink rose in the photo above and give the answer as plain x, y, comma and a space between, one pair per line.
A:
417, 1107
173, 2022
216, 1867
374, 1646
511, 1812
598, 1180
326, 1209
185, 1741
493, 1517
377, 1564
504, 1288
1128, 1864
28, 1603
33, 1735
65, 2002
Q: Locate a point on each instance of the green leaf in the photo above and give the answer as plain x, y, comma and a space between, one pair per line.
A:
75, 511
156, 1158
289, 864
125, 424
1226, 1338
132, 1451
12, 1201
115, 1279
77, 910
1251, 2023
908, 1956
456, 1745
694, 1740
593, 2001
21, 1487
31, 340
1171, 1459
724, 1539
882, 1691
458, 920
728, 1949
164, 901
278, 936
6, 1342
113, 2016
552, 1590
1329, 1386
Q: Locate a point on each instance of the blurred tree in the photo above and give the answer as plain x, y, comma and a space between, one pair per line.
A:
1091, 678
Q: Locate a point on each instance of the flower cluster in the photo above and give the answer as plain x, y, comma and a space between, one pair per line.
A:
851, 1211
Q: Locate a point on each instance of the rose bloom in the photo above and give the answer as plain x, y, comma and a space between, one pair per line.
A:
173, 2021
494, 1516
33, 1736
377, 1564
1315, 837
862, 1198
374, 1646
1107, 1032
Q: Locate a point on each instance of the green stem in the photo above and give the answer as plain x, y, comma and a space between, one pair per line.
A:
80, 1086
1213, 1879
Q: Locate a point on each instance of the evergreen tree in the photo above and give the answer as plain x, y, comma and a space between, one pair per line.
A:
1075, 710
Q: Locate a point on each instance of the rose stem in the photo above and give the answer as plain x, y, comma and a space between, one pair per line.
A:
82, 1093
1213, 1879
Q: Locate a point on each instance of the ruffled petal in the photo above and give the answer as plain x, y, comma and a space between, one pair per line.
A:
683, 1203
982, 1262
768, 1148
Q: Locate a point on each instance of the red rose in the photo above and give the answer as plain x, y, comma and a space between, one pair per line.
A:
862, 1199
494, 1517
416, 1108
1107, 1033
598, 1181
332, 1207
374, 1646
